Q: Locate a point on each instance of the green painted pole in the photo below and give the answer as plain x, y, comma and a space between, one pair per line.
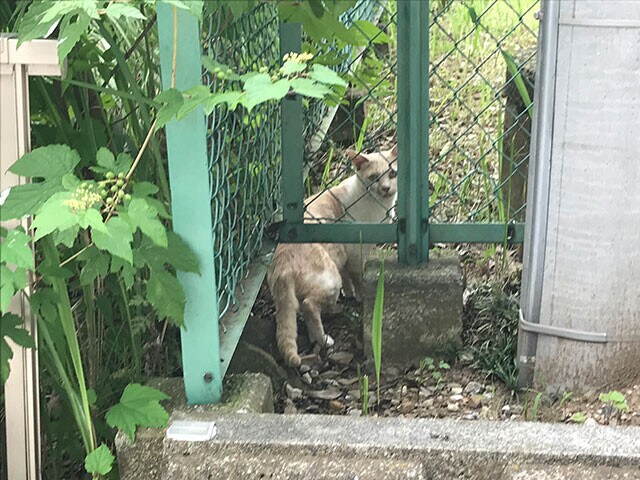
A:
292, 139
191, 208
413, 131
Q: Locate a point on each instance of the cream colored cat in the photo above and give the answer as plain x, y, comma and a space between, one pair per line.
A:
310, 276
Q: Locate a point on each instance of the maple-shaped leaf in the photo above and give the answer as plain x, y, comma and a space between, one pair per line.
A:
100, 461
138, 406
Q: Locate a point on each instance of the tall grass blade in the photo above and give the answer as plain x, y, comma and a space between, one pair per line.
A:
376, 328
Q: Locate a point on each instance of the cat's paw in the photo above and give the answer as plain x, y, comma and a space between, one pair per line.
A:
293, 360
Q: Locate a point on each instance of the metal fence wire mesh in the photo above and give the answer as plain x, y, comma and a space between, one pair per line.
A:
482, 68
482, 64
482, 61
244, 151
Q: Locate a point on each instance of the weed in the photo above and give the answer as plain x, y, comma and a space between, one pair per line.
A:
578, 417
437, 370
615, 399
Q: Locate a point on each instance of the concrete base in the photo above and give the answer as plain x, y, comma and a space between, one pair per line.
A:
316, 447
422, 307
145, 458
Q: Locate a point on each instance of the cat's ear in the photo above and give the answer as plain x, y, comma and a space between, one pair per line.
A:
356, 158
394, 152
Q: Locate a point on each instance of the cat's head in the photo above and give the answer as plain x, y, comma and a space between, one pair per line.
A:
377, 171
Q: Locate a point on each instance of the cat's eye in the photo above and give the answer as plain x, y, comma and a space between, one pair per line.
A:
373, 177
393, 173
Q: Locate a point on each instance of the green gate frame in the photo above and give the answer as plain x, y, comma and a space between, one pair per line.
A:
189, 178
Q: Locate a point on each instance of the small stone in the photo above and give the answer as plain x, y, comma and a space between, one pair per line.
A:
336, 405
307, 378
331, 374
348, 398
289, 408
347, 381
341, 358
475, 401
590, 422
473, 388
455, 398
407, 405
488, 395
428, 403
453, 385
456, 390
453, 407
424, 393
517, 409
471, 416
330, 382
354, 412
304, 368
506, 409
327, 394
403, 391
292, 392
314, 373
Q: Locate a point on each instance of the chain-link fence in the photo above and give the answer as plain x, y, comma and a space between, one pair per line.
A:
482, 58
482, 68
244, 152
482, 64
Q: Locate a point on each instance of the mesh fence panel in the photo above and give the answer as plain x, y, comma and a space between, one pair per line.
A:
480, 113
479, 126
244, 151
482, 67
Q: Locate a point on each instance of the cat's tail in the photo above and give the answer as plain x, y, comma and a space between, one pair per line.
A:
286, 302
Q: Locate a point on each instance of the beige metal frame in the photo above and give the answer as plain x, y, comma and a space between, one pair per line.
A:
38, 57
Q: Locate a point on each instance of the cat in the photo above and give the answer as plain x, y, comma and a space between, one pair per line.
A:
309, 277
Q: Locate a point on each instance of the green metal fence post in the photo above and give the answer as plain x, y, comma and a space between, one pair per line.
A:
292, 140
413, 131
191, 208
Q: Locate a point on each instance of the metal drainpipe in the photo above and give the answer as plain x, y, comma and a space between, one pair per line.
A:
538, 189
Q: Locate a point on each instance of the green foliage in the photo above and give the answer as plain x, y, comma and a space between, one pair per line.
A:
138, 406
436, 369
578, 417
11, 327
100, 461
616, 399
376, 328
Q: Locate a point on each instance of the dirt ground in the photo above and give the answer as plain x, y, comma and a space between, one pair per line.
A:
332, 383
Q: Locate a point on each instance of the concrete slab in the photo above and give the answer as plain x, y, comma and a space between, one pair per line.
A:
422, 307
144, 458
323, 447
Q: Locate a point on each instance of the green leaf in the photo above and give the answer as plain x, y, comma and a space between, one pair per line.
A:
144, 189
11, 327
11, 281
214, 67
55, 214
193, 6
66, 237
260, 89
309, 88
180, 255
231, 98
325, 75
96, 265
291, 67
100, 461
193, 98
124, 270
70, 33
376, 325
370, 32
145, 217
16, 249
578, 417
32, 25
27, 199
117, 10
172, 101
52, 161
105, 158
138, 406
165, 293
117, 240
514, 71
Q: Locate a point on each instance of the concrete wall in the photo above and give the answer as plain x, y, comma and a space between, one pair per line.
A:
592, 257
